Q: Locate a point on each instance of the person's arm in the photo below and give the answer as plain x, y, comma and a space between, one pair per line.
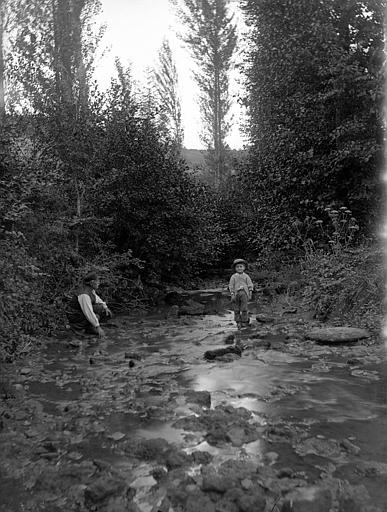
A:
98, 300
87, 309
231, 287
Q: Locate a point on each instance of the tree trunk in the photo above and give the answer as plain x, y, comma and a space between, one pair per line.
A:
79, 213
217, 123
80, 68
2, 90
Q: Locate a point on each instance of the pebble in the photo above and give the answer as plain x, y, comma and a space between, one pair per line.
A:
271, 457
191, 488
350, 447
264, 318
75, 456
246, 484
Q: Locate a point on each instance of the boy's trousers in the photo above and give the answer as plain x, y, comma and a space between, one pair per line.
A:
240, 303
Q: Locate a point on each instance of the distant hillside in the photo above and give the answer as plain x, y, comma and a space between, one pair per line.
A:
194, 157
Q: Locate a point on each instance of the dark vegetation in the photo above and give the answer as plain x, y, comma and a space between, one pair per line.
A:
92, 180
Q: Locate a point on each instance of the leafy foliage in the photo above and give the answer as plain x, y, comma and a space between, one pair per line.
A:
348, 284
154, 206
315, 91
89, 181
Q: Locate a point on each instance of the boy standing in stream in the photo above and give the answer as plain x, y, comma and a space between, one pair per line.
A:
241, 289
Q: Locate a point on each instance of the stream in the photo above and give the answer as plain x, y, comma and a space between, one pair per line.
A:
142, 422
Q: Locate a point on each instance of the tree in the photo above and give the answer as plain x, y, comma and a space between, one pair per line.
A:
211, 36
167, 89
156, 209
315, 96
2, 92
51, 57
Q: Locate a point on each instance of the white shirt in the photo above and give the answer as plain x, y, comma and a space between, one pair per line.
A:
87, 307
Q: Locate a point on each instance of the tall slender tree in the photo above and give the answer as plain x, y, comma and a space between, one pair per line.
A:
166, 79
2, 66
210, 34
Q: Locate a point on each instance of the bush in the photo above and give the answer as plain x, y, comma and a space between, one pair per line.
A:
21, 311
348, 285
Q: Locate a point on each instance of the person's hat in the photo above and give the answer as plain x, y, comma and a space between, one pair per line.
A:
91, 276
239, 261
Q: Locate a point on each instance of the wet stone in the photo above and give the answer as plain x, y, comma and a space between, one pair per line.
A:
241, 435
217, 434
116, 436
350, 447
192, 307
117, 505
229, 339
353, 362
175, 459
198, 397
200, 457
228, 358
102, 489
285, 473
221, 351
133, 355
246, 484
323, 447
199, 503
290, 311
173, 311
254, 502
354, 498
212, 481
337, 334
263, 319
308, 499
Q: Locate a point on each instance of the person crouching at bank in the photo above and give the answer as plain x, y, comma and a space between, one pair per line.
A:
86, 309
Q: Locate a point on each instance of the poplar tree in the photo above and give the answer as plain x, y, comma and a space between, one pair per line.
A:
2, 92
166, 79
210, 34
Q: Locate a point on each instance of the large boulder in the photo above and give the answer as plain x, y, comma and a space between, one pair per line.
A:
333, 335
221, 351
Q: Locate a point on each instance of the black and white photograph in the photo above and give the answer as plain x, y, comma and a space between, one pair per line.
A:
193, 255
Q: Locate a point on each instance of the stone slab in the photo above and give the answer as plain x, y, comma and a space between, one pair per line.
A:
337, 334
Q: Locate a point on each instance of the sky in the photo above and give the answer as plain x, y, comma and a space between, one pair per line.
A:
135, 30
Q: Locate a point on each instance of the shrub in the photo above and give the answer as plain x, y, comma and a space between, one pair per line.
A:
348, 285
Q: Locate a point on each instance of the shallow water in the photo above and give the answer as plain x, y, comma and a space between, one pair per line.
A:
309, 389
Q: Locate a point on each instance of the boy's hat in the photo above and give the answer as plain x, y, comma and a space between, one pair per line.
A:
239, 261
